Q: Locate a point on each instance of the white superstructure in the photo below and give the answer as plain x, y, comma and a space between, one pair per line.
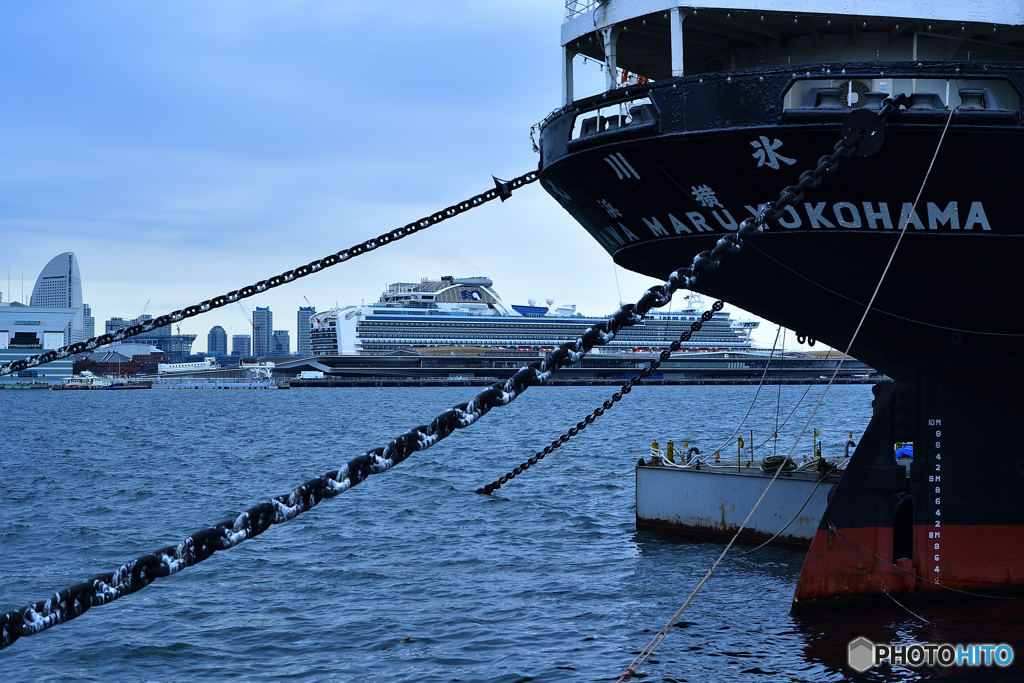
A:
657, 39
468, 312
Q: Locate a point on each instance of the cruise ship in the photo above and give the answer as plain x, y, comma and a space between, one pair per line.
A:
460, 312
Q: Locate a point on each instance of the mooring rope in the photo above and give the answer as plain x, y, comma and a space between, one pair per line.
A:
778, 533
832, 527
917, 616
663, 633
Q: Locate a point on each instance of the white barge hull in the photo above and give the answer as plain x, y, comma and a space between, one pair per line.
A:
711, 503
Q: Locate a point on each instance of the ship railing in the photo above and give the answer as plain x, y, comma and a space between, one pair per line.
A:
574, 8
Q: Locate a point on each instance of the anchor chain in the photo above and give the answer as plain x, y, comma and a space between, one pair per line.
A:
502, 190
607, 405
846, 147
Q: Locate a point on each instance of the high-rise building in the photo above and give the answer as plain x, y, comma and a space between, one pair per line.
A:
113, 325
59, 285
217, 342
88, 322
164, 331
177, 345
241, 345
280, 343
117, 324
302, 343
263, 334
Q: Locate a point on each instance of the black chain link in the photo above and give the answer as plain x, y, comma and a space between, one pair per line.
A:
891, 104
607, 405
502, 190
706, 260
809, 180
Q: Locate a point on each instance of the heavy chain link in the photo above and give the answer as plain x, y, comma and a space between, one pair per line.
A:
607, 405
809, 180
891, 104
502, 190
706, 260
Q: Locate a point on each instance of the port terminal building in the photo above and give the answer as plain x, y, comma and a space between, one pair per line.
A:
28, 331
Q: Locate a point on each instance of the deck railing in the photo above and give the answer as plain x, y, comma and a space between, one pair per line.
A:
574, 8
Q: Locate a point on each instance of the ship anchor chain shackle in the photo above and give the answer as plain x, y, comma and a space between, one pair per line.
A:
863, 133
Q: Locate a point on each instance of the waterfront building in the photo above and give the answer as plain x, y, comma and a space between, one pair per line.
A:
88, 322
303, 323
280, 343
217, 342
115, 324
28, 331
177, 345
263, 331
112, 362
59, 285
241, 345
130, 348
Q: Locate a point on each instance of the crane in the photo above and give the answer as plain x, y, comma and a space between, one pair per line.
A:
138, 320
248, 317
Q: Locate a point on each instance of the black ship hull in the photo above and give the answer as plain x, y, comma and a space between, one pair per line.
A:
945, 325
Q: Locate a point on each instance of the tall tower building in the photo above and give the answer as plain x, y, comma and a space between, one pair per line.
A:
281, 343
59, 285
88, 322
217, 342
241, 345
263, 335
302, 342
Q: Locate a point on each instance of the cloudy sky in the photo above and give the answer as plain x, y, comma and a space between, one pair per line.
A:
186, 149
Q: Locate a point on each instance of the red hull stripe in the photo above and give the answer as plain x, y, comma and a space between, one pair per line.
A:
955, 556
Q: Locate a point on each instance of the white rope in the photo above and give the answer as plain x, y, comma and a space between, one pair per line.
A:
663, 633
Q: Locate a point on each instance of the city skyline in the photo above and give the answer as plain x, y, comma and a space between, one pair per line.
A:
215, 148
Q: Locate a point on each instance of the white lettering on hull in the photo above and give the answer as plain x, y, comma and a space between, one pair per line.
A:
871, 216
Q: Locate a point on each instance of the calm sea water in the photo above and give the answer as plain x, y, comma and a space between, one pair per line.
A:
412, 576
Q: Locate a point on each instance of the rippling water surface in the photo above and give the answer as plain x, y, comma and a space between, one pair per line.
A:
412, 576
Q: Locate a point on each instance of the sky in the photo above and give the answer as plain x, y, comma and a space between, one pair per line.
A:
183, 150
